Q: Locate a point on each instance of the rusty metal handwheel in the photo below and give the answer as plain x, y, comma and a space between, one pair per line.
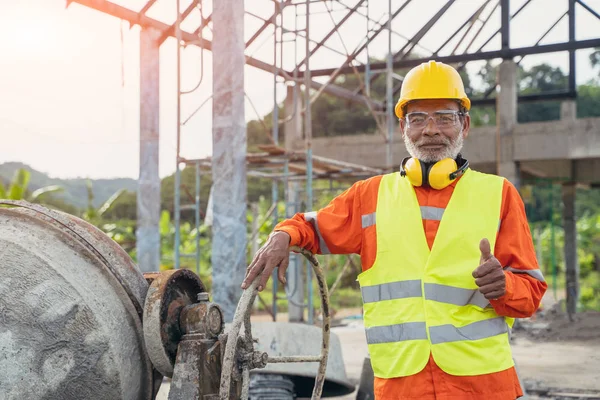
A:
169, 293
233, 361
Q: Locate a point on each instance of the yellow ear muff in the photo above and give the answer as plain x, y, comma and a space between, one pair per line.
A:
439, 173
412, 169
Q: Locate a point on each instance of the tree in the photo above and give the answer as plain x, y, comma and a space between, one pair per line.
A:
588, 101
595, 58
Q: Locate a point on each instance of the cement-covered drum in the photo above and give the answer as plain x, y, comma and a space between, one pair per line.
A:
71, 302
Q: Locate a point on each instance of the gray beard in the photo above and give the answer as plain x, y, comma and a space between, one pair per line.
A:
451, 150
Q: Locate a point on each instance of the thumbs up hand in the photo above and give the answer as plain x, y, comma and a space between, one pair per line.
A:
489, 276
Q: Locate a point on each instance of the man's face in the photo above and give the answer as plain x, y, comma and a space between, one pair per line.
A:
432, 130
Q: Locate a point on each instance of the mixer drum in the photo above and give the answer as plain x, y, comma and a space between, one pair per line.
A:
70, 311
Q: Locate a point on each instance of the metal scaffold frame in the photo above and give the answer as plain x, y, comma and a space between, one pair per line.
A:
281, 165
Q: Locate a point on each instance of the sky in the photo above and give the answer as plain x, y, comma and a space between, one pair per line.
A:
69, 77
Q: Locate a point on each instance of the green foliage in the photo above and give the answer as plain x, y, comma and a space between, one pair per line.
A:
74, 193
595, 58
19, 184
93, 214
588, 100
18, 189
588, 241
43, 192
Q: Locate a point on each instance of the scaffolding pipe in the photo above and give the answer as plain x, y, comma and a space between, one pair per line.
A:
177, 210
389, 93
308, 141
367, 77
197, 215
274, 183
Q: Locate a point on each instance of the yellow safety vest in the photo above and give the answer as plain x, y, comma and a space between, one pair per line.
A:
419, 302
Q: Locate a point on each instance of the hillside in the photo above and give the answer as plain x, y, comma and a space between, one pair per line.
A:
75, 192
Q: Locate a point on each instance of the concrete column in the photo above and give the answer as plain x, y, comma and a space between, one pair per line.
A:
293, 133
148, 196
568, 110
506, 120
570, 249
293, 127
229, 155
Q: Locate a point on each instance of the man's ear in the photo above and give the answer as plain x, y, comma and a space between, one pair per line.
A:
402, 126
466, 125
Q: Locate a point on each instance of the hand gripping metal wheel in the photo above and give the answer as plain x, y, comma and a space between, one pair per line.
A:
240, 357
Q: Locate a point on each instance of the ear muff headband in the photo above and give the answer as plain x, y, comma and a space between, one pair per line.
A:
438, 176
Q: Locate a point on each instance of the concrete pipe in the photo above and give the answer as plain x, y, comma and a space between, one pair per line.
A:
71, 304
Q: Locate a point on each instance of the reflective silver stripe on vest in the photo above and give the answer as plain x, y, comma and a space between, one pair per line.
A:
455, 295
396, 333
475, 331
368, 220
312, 218
391, 291
534, 273
432, 213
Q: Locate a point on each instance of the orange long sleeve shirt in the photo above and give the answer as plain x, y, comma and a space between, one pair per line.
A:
338, 229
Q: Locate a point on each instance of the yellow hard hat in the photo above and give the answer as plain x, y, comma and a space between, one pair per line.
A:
431, 80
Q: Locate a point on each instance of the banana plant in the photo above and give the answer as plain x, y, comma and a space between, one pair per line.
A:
17, 190
92, 213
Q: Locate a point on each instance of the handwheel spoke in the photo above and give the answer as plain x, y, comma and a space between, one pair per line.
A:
294, 359
245, 382
242, 316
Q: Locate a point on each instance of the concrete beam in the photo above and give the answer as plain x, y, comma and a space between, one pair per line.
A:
547, 147
148, 195
568, 139
229, 155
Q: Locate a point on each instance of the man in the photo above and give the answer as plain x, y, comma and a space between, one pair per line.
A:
438, 302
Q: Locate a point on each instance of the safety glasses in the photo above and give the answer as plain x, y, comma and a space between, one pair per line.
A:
444, 119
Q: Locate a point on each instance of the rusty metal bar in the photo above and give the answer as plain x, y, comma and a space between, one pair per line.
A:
331, 32
147, 6
482, 26
546, 33
344, 68
478, 55
572, 63
470, 19
493, 35
297, 33
486, 55
134, 18
170, 32
471, 25
267, 22
591, 10
378, 24
505, 23
410, 45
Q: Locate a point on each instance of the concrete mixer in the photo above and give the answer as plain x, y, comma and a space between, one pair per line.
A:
78, 320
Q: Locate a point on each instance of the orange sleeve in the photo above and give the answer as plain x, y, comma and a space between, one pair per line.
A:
335, 229
525, 284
